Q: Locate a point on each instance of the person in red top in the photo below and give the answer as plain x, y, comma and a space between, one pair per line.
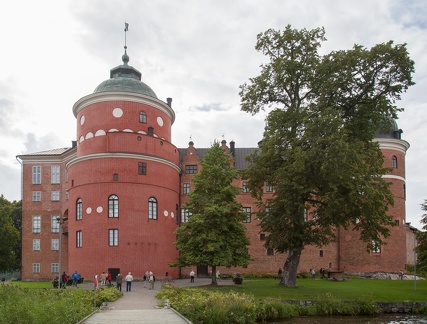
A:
64, 279
109, 278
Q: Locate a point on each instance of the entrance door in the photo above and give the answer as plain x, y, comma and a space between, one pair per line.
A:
202, 272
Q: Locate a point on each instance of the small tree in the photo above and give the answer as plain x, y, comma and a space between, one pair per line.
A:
9, 237
421, 248
214, 234
317, 149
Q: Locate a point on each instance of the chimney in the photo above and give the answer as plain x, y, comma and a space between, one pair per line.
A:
232, 148
169, 101
73, 144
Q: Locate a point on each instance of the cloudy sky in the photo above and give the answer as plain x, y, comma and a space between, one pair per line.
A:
198, 52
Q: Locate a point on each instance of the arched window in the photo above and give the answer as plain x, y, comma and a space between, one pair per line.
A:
79, 209
152, 208
142, 117
113, 206
394, 162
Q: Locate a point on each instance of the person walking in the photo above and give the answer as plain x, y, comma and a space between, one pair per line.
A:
146, 277
75, 276
192, 275
119, 280
103, 278
151, 281
64, 279
109, 278
129, 280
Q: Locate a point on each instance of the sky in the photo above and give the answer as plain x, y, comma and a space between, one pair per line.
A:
197, 52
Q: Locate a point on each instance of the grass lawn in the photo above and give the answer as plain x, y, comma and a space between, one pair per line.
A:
353, 289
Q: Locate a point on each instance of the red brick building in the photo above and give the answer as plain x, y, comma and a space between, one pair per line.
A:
112, 201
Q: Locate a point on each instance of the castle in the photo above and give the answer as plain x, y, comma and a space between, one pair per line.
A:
113, 200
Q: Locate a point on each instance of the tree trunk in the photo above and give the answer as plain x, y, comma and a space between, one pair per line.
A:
291, 267
214, 282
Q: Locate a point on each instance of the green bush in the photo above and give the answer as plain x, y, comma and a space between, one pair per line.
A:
210, 307
107, 294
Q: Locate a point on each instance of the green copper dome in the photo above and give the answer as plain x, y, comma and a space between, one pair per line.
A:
388, 129
125, 78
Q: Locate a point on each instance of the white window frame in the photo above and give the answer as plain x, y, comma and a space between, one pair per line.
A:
247, 211
113, 237
54, 267
37, 195
36, 267
55, 245
54, 196
79, 239
37, 220
36, 244
55, 224
37, 174
55, 174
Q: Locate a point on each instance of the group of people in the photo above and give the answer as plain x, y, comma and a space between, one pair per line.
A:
150, 279
75, 277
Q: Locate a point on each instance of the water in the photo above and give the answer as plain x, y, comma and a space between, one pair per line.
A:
382, 319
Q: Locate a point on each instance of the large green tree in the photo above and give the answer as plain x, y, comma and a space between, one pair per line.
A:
317, 149
421, 248
214, 234
9, 235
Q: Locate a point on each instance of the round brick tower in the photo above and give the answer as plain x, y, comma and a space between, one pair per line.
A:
123, 184
352, 255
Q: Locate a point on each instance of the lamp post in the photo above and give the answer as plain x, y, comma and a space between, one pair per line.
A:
59, 248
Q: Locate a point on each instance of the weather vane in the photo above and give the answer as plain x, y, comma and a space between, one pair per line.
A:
126, 29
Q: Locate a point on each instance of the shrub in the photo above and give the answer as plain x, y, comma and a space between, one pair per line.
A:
107, 294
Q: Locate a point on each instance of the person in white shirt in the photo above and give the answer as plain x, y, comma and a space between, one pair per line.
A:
192, 276
129, 280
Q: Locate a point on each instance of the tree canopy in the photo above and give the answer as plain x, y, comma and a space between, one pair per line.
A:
317, 149
421, 248
214, 234
9, 235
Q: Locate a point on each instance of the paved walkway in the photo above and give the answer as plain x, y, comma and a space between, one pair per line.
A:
140, 305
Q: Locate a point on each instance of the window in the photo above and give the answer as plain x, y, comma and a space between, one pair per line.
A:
321, 253
262, 237
152, 208
55, 224
55, 174
113, 237
186, 188
79, 209
396, 221
36, 245
247, 212
150, 131
376, 247
142, 117
268, 187
36, 267
54, 196
79, 239
305, 215
270, 252
66, 194
394, 162
142, 168
37, 174
115, 177
55, 244
37, 196
245, 187
191, 169
36, 224
54, 267
185, 214
113, 206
